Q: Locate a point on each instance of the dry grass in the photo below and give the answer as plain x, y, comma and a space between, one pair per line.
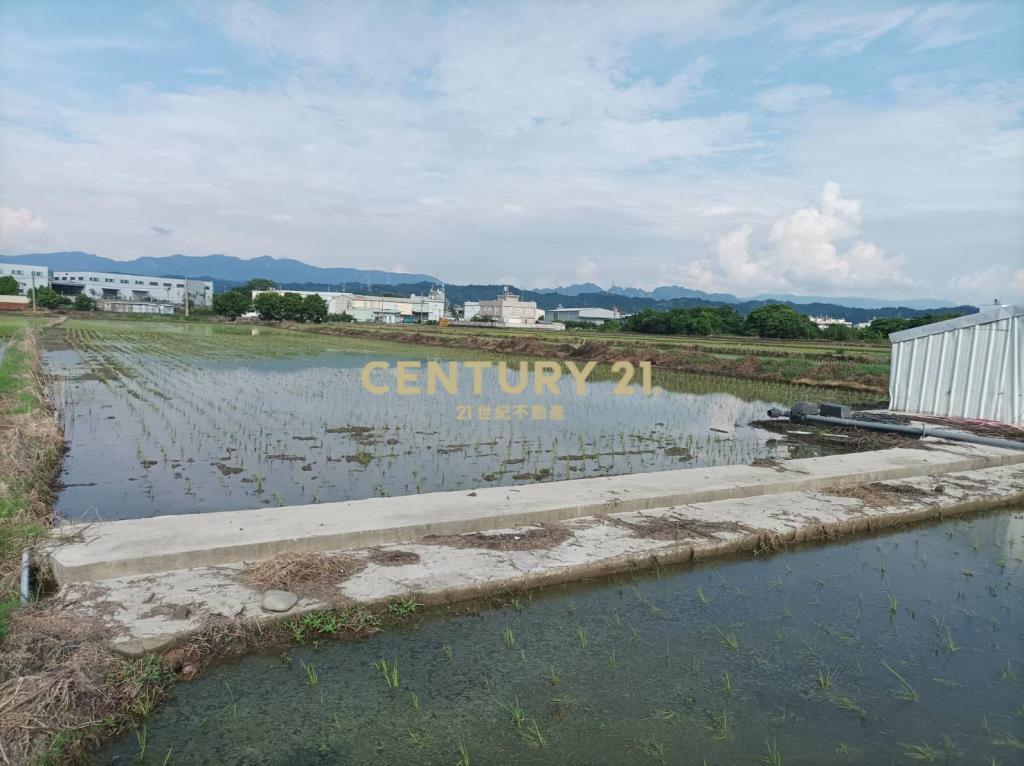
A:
671, 526
300, 572
880, 495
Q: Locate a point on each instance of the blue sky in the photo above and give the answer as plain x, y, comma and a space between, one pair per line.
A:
818, 148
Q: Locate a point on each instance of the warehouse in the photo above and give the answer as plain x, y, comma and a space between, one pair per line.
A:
967, 367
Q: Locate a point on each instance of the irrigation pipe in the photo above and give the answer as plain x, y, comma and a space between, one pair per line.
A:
799, 414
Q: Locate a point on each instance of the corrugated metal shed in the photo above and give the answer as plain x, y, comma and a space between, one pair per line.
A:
967, 367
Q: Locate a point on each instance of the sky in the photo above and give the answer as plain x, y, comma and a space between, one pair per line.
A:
825, 148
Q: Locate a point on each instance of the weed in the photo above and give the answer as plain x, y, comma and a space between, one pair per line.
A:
402, 608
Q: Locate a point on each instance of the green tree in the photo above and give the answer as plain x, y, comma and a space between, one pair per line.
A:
776, 320
314, 309
839, 332
48, 298
232, 304
292, 307
83, 302
268, 306
258, 285
9, 286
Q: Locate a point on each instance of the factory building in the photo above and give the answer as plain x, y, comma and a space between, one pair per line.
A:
26, 276
134, 288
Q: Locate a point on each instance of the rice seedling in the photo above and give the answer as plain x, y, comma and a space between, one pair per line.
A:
419, 740
950, 644
719, 725
389, 670
515, 711
553, 678
728, 639
463, 752
842, 750
582, 638
447, 649
826, 677
726, 682
655, 749
906, 691
702, 597
141, 735
509, 637
772, 756
414, 700
312, 679
845, 703
531, 733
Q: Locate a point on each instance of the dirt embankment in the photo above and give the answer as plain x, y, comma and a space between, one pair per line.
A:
827, 371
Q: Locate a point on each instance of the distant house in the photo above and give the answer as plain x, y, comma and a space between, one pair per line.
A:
971, 366
591, 315
825, 322
14, 303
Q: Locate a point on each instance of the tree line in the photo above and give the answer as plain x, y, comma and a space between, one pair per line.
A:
774, 320
273, 306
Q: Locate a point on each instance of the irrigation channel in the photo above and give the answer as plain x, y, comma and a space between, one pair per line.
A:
171, 418
895, 648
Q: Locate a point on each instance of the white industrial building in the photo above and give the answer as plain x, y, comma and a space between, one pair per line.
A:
27, 276
506, 309
102, 285
385, 309
967, 367
592, 315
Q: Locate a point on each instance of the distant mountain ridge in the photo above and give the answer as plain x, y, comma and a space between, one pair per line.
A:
219, 268
672, 292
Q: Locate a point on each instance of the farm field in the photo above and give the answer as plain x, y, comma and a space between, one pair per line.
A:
895, 648
174, 417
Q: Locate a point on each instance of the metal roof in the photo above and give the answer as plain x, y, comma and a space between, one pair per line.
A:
967, 320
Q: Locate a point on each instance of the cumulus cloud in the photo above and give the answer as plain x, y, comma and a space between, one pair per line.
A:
20, 228
998, 282
801, 253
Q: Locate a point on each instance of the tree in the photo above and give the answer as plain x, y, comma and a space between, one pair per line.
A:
9, 286
258, 285
839, 332
232, 304
48, 298
314, 309
83, 302
776, 320
268, 306
292, 307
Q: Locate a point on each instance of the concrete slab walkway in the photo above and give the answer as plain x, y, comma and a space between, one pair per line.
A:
140, 546
155, 610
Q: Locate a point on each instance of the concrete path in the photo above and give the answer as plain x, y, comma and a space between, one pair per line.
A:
154, 611
142, 546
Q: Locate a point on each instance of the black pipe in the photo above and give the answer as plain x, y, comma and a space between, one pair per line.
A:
802, 413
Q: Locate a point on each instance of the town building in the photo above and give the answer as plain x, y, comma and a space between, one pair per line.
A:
14, 303
967, 367
26, 276
507, 309
825, 322
134, 288
595, 316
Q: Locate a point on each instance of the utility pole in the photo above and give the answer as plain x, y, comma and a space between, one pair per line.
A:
33, 275
186, 299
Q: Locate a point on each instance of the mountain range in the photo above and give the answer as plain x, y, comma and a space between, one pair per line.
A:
672, 292
219, 268
228, 271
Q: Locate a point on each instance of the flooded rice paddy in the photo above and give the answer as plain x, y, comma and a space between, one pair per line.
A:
903, 648
167, 418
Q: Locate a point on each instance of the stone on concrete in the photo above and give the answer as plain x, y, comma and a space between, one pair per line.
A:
278, 600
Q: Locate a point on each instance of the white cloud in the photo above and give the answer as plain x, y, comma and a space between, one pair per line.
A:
801, 254
998, 282
790, 98
20, 228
